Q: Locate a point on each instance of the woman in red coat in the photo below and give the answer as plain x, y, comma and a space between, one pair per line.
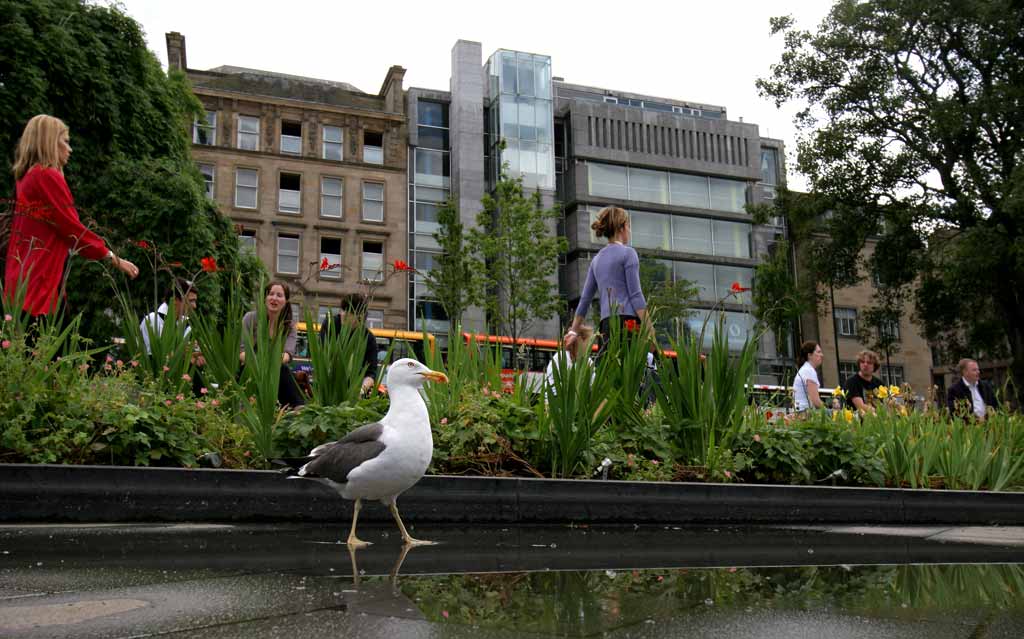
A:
46, 227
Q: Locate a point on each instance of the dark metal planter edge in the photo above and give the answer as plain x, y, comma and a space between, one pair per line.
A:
99, 494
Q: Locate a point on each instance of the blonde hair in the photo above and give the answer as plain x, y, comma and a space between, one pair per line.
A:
39, 144
609, 221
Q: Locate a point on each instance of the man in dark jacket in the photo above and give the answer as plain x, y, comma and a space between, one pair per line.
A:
969, 395
353, 312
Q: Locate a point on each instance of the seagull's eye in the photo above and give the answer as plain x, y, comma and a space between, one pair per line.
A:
410, 364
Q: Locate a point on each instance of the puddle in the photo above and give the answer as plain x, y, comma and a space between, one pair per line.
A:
489, 582
592, 603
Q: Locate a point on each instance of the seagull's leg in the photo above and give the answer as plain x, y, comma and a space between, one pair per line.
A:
406, 537
398, 564
353, 541
355, 566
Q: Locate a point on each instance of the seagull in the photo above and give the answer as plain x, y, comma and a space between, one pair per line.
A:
379, 460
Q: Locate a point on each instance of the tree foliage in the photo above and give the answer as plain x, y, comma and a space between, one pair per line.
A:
131, 171
516, 257
913, 126
668, 299
450, 279
778, 301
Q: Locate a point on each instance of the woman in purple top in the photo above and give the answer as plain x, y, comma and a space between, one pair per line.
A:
614, 274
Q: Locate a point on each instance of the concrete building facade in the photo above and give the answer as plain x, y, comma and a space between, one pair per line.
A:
313, 173
683, 170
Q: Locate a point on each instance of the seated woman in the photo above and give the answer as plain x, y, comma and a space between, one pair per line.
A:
806, 384
279, 318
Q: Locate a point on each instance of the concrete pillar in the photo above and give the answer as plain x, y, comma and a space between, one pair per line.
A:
466, 121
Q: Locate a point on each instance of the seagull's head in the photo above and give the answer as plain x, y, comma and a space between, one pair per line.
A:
409, 372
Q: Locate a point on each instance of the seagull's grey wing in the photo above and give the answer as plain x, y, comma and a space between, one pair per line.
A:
338, 460
366, 432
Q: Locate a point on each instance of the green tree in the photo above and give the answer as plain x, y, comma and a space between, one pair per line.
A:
778, 301
450, 279
131, 171
669, 300
879, 324
913, 122
516, 257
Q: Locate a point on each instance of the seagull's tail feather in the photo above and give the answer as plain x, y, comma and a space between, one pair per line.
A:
291, 464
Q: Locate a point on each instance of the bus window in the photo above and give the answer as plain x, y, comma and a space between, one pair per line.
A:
540, 357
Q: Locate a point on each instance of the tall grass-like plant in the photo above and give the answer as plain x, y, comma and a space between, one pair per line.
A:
469, 367
337, 354
576, 404
703, 399
261, 377
623, 364
169, 357
918, 449
220, 339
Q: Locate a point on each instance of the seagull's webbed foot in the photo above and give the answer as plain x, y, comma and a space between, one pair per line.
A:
355, 543
412, 541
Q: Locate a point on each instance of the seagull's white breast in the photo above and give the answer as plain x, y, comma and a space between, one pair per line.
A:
406, 456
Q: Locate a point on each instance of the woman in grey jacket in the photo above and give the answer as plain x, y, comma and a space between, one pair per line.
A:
614, 275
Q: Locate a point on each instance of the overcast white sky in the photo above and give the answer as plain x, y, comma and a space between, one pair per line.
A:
707, 52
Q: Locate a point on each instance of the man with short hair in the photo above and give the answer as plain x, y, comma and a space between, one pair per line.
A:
353, 313
183, 297
969, 395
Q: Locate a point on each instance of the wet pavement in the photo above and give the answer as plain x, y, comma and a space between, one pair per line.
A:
211, 580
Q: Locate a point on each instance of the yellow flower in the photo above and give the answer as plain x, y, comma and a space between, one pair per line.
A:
839, 392
882, 392
848, 415
835, 415
894, 391
903, 411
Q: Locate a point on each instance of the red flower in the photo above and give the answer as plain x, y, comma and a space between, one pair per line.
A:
632, 325
736, 288
143, 244
209, 264
402, 266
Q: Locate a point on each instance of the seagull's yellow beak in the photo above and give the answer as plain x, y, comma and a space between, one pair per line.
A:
435, 376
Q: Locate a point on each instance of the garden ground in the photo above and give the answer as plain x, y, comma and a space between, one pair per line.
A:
619, 581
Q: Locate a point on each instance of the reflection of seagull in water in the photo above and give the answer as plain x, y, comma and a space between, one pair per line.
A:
383, 459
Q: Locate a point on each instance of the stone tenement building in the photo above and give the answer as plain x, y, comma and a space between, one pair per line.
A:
309, 170
838, 328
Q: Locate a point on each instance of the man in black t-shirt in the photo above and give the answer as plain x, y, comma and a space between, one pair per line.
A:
353, 314
864, 382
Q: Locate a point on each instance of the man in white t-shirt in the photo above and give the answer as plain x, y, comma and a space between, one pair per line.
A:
183, 298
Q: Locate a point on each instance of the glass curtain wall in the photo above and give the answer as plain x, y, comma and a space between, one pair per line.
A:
662, 187
429, 187
520, 115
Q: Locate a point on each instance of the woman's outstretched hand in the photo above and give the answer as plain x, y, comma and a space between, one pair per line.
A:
126, 267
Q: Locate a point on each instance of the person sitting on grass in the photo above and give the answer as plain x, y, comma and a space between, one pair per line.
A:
567, 358
353, 315
806, 384
183, 299
280, 322
864, 382
970, 395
